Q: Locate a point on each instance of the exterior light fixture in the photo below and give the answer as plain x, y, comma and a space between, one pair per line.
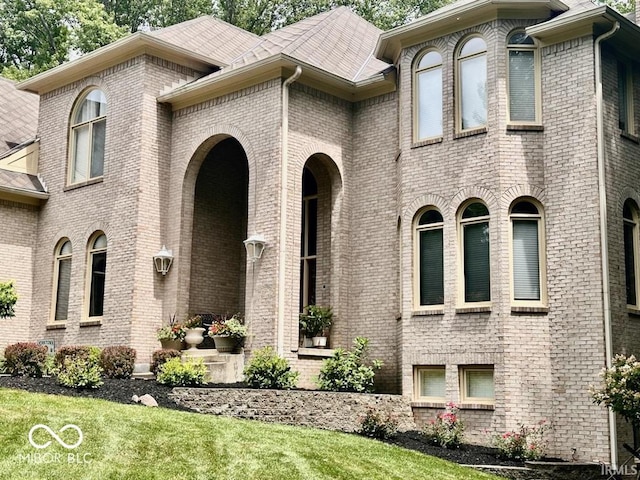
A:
163, 260
255, 246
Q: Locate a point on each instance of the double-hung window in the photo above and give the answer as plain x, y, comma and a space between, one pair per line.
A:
625, 98
429, 259
523, 79
472, 84
630, 220
62, 280
428, 96
96, 275
88, 133
474, 233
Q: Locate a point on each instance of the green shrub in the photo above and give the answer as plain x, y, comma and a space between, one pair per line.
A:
268, 370
446, 429
3, 367
346, 371
25, 359
118, 361
175, 373
81, 352
375, 424
50, 365
8, 299
160, 357
80, 373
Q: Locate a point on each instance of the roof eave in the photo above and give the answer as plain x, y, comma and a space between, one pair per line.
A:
19, 192
439, 23
117, 52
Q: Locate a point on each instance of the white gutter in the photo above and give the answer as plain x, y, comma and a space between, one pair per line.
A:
604, 244
284, 193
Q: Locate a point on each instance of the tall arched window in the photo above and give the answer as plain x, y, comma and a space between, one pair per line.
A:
472, 84
429, 258
62, 280
474, 231
309, 245
524, 82
630, 218
88, 128
97, 264
527, 254
428, 96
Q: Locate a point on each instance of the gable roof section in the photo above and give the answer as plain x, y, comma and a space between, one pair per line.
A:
210, 37
334, 48
18, 115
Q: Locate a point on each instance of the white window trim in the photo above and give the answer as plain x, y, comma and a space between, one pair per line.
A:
416, 259
630, 120
89, 272
56, 278
636, 250
417, 385
458, 81
465, 399
72, 141
416, 92
462, 304
304, 259
543, 302
538, 82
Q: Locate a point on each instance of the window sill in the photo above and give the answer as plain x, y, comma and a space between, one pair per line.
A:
633, 312
56, 326
522, 127
531, 309
74, 186
90, 323
476, 406
630, 136
316, 352
478, 309
427, 404
428, 141
470, 133
427, 313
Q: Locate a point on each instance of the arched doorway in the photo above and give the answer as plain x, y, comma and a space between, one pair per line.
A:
218, 259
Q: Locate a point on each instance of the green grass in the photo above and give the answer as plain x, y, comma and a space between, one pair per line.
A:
134, 442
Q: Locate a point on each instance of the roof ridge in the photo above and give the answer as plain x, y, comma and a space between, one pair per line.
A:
331, 17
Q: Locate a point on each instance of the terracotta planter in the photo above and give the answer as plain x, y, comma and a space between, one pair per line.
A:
171, 344
227, 344
194, 337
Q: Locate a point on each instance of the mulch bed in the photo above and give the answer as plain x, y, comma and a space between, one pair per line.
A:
121, 391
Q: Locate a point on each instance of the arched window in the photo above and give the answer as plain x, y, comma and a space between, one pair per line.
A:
309, 245
630, 219
429, 258
474, 232
527, 254
62, 280
524, 81
472, 84
428, 96
88, 128
97, 264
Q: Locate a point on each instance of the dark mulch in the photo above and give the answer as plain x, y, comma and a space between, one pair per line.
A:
121, 391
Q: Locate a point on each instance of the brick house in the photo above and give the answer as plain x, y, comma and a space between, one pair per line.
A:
426, 182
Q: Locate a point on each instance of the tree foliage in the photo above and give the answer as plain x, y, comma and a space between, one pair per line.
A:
622, 6
39, 34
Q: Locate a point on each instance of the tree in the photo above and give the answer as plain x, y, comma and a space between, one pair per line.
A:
39, 34
622, 6
8, 299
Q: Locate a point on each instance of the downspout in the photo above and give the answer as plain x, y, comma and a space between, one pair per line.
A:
604, 241
284, 193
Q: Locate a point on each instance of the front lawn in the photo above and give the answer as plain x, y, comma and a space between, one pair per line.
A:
123, 442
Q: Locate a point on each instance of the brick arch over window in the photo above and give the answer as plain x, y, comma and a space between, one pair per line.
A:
523, 190
481, 193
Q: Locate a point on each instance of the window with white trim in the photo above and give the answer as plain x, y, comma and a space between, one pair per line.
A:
523, 79
428, 96
309, 240
477, 384
429, 258
97, 266
430, 383
472, 84
474, 241
88, 130
625, 98
527, 252
630, 222
62, 280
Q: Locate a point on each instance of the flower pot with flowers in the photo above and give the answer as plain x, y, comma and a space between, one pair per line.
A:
172, 335
228, 333
194, 332
315, 322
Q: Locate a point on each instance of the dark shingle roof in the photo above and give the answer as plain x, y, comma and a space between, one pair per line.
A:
18, 115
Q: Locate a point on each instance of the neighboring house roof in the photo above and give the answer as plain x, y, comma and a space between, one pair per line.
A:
209, 37
18, 115
22, 185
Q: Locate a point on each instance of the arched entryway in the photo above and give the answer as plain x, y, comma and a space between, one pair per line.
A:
218, 258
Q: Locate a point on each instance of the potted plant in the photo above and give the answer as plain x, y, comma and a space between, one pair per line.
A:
172, 335
314, 323
228, 333
194, 330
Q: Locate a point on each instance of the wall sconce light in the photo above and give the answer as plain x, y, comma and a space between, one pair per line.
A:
163, 260
255, 246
